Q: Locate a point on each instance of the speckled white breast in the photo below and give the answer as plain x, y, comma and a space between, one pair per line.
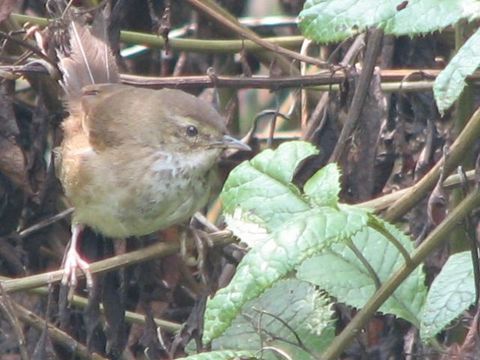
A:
131, 201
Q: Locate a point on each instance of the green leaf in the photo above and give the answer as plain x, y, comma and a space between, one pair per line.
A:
296, 303
426, 16
281, 163
282, 225
450, 82
452, 292
338, 271
260, 191
323, 187
305, 235
335, 20
222, 355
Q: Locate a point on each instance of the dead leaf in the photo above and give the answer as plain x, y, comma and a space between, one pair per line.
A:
12, 161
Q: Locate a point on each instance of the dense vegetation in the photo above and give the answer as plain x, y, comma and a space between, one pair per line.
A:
350, 231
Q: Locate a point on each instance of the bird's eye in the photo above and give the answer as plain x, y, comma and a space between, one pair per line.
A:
192, 131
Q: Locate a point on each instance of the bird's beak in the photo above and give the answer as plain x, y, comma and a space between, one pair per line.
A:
232, 143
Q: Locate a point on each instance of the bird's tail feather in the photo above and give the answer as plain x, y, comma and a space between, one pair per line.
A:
89, 61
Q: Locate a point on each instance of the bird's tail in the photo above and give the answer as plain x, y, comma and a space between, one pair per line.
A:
89, 59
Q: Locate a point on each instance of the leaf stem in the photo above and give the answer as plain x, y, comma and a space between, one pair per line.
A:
376, 225
365, 263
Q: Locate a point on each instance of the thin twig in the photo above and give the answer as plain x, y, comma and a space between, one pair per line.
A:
323, 81
254, 82
151, 252
354, 49
361, 91
383, 202
58, 336
130, 316
9, 314
215, 11
28, 46
316, 121
44, 223
457, 152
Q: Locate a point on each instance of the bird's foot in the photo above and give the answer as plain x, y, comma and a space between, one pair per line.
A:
202, 243
74, 261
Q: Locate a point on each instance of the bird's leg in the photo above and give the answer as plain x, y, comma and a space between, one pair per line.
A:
74, 261
183, 236
201, 254
201, 244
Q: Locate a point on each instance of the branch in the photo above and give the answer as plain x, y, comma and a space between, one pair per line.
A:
383, 202
130, 316
148, 253
215, 11
455, 156
194, 45
58, 336
371, 53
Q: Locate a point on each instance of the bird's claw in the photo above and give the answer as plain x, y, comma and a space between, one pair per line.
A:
74, 261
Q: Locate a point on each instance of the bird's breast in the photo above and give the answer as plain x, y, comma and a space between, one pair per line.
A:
138, 196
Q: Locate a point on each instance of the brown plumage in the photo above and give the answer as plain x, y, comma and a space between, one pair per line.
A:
133, 160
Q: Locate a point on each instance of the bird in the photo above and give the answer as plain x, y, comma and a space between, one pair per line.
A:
133, 160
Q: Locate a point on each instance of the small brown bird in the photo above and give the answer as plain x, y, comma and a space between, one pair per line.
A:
133, 160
